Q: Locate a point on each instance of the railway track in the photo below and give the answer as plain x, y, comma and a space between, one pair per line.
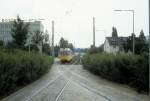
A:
83, 82
58, 78
67, 78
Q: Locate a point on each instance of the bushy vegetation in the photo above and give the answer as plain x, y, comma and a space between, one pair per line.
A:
122, 68
18, 68
94, 50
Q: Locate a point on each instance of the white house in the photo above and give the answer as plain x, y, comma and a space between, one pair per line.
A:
114, 44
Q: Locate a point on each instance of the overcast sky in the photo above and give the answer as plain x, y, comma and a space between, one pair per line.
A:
73, 18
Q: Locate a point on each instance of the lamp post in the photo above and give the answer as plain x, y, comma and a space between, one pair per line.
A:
94, 32
53, 50
133, 27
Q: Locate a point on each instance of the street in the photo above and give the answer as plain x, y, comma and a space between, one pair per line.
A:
69, 82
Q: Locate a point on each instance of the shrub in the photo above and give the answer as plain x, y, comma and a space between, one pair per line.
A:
122, 68
19, 67
1, 43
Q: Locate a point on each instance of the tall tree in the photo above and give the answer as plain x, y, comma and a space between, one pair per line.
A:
70, 45
46, 37
140, 43
114, 32
56, 48
19, 32
46, 44
63, 43
142, 36
37, 38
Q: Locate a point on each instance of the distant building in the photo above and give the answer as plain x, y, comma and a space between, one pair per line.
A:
114, 44
5, 29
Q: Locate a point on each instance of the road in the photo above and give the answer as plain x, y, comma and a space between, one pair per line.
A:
69, 82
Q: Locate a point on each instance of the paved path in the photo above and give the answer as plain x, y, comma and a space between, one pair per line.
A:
73, 83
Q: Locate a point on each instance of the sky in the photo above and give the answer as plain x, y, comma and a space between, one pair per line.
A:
73, 18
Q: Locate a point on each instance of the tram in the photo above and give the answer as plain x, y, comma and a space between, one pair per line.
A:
65, 55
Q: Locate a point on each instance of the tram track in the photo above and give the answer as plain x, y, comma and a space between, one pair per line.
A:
83, 82
41, 89
67, 80
62, 90
75, 75
72, 77
61, 76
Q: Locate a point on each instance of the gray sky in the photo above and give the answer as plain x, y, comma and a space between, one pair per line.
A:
73, 18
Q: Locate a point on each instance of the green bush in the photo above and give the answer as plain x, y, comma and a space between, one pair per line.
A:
1, 43
19, 68
122, 68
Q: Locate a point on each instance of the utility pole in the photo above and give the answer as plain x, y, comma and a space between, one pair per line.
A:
133, 34
93, 31
149, 41
53, 53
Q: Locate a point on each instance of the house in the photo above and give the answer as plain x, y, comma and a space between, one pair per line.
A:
114, 44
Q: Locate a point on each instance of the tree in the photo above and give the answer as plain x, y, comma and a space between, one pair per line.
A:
46, 48
56, 48
114, 32
140, 43
1, 43
63, 43
46, 37
94, 50
70, 45
142, 37
37, 38
19, 32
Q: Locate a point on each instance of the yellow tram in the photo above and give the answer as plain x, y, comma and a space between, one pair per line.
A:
65, 55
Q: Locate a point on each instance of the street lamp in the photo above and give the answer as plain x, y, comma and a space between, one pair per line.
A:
133, 27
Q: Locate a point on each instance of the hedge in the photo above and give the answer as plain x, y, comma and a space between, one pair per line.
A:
19, 68
121, 68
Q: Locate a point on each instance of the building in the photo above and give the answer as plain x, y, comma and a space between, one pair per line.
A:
114, 44
5, 29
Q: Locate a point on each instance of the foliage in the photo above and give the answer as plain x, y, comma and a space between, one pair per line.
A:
41, 39
64, 44
19, 32
94, 50
19, 67
46, 49
1, 43
122, 68
46, 37
114, 32
56, 48
37, 38
142, 36
141, 45
70, 45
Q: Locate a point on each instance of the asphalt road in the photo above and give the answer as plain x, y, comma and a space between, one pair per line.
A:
69, 82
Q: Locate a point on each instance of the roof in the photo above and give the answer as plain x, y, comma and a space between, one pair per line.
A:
117, 41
